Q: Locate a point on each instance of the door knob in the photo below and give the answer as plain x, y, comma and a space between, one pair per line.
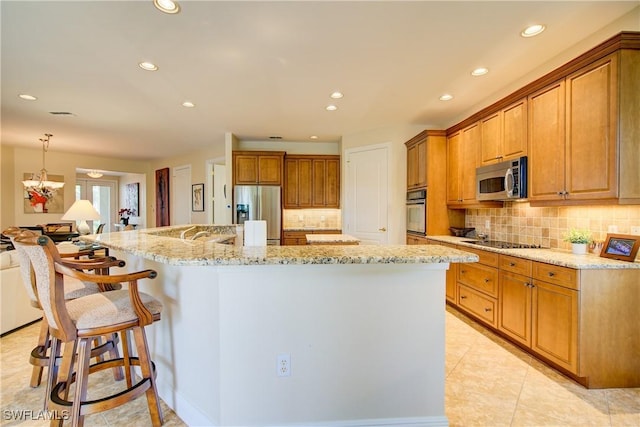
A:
382, 229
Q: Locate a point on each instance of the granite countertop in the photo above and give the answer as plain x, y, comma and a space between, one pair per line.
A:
327, 239
155, 244
549, 256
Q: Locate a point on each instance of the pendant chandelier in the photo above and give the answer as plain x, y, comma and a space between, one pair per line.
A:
39, 182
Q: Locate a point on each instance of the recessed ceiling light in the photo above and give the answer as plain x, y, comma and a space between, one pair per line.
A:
446, 97
331, 107
480, 71
337, 95
166, 6
27, 97
188, 104
532, 30
313, 137
148, 66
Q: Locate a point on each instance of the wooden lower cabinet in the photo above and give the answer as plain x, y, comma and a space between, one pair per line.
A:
554, 321
515, 307
582, 322
480, 305
412, 239
451, 291
299, 237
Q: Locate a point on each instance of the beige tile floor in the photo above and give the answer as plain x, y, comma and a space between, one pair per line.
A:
489, 383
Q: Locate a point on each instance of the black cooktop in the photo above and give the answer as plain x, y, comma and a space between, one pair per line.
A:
503, 245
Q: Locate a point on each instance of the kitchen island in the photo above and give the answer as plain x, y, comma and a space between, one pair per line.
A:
362, 326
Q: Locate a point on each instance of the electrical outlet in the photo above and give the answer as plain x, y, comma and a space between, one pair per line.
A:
284, 365
635, 230
487, 225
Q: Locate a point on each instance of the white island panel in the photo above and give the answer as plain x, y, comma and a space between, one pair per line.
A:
366, 343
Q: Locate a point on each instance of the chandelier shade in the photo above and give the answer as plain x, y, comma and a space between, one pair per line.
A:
39, 181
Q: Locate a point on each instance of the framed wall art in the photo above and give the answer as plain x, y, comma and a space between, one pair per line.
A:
131, 197
162, 197
197, 197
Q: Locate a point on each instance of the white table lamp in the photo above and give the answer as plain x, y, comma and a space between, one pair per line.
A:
82, 210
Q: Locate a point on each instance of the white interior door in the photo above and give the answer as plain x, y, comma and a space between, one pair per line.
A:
221, 208
181, 195
366, 198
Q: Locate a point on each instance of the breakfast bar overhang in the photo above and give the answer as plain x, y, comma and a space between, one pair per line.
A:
363, 327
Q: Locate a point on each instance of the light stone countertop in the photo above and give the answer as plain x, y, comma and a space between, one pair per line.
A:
327, 239
549, 256
157, 245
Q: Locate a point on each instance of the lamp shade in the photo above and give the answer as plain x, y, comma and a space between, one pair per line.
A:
82, 210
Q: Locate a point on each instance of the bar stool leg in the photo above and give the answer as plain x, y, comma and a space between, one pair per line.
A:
43, 345
147, 372
82, 379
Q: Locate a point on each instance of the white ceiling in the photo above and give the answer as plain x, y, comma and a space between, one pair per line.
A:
260, 69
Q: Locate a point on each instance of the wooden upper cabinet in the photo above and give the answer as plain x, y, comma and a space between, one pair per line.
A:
591, 134
463, 150
546, 143
257, 167
573, 144
312, 181
245, 169
470, 141
416, 164
504, 134
453, 168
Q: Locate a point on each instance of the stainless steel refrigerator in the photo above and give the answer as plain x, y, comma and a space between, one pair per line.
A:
259, 202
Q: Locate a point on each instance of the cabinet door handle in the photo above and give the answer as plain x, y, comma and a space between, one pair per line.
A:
463, 271
382, 229
463, 296
512, 264
487, 280
487, 310
551, 274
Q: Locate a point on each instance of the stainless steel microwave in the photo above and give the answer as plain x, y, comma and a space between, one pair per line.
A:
502, 181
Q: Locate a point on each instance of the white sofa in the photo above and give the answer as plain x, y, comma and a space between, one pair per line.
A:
15, 308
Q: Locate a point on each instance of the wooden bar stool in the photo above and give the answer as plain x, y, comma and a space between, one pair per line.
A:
73, 288
77, 322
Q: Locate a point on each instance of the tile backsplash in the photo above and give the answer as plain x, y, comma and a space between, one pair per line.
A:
521, 223
317, 218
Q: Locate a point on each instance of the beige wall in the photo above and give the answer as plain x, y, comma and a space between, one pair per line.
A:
198, 162
396, 136
19, 160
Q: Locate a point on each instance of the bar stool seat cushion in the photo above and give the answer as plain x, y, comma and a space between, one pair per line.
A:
108, 308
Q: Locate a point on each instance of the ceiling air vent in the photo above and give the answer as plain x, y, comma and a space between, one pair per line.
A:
61, 113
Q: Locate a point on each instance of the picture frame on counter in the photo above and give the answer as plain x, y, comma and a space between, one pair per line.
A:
197, 198
623, 247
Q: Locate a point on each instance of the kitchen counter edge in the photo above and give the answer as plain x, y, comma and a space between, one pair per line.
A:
550, 256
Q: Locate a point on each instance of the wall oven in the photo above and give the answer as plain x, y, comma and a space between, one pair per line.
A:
502, 181
417, 212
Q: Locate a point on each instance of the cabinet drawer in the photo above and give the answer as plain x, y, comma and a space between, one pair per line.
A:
477, 304
563, 276
479, 277
515, 265
486, 257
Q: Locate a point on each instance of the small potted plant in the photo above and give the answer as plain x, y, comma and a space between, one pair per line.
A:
579, 240
124, 215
